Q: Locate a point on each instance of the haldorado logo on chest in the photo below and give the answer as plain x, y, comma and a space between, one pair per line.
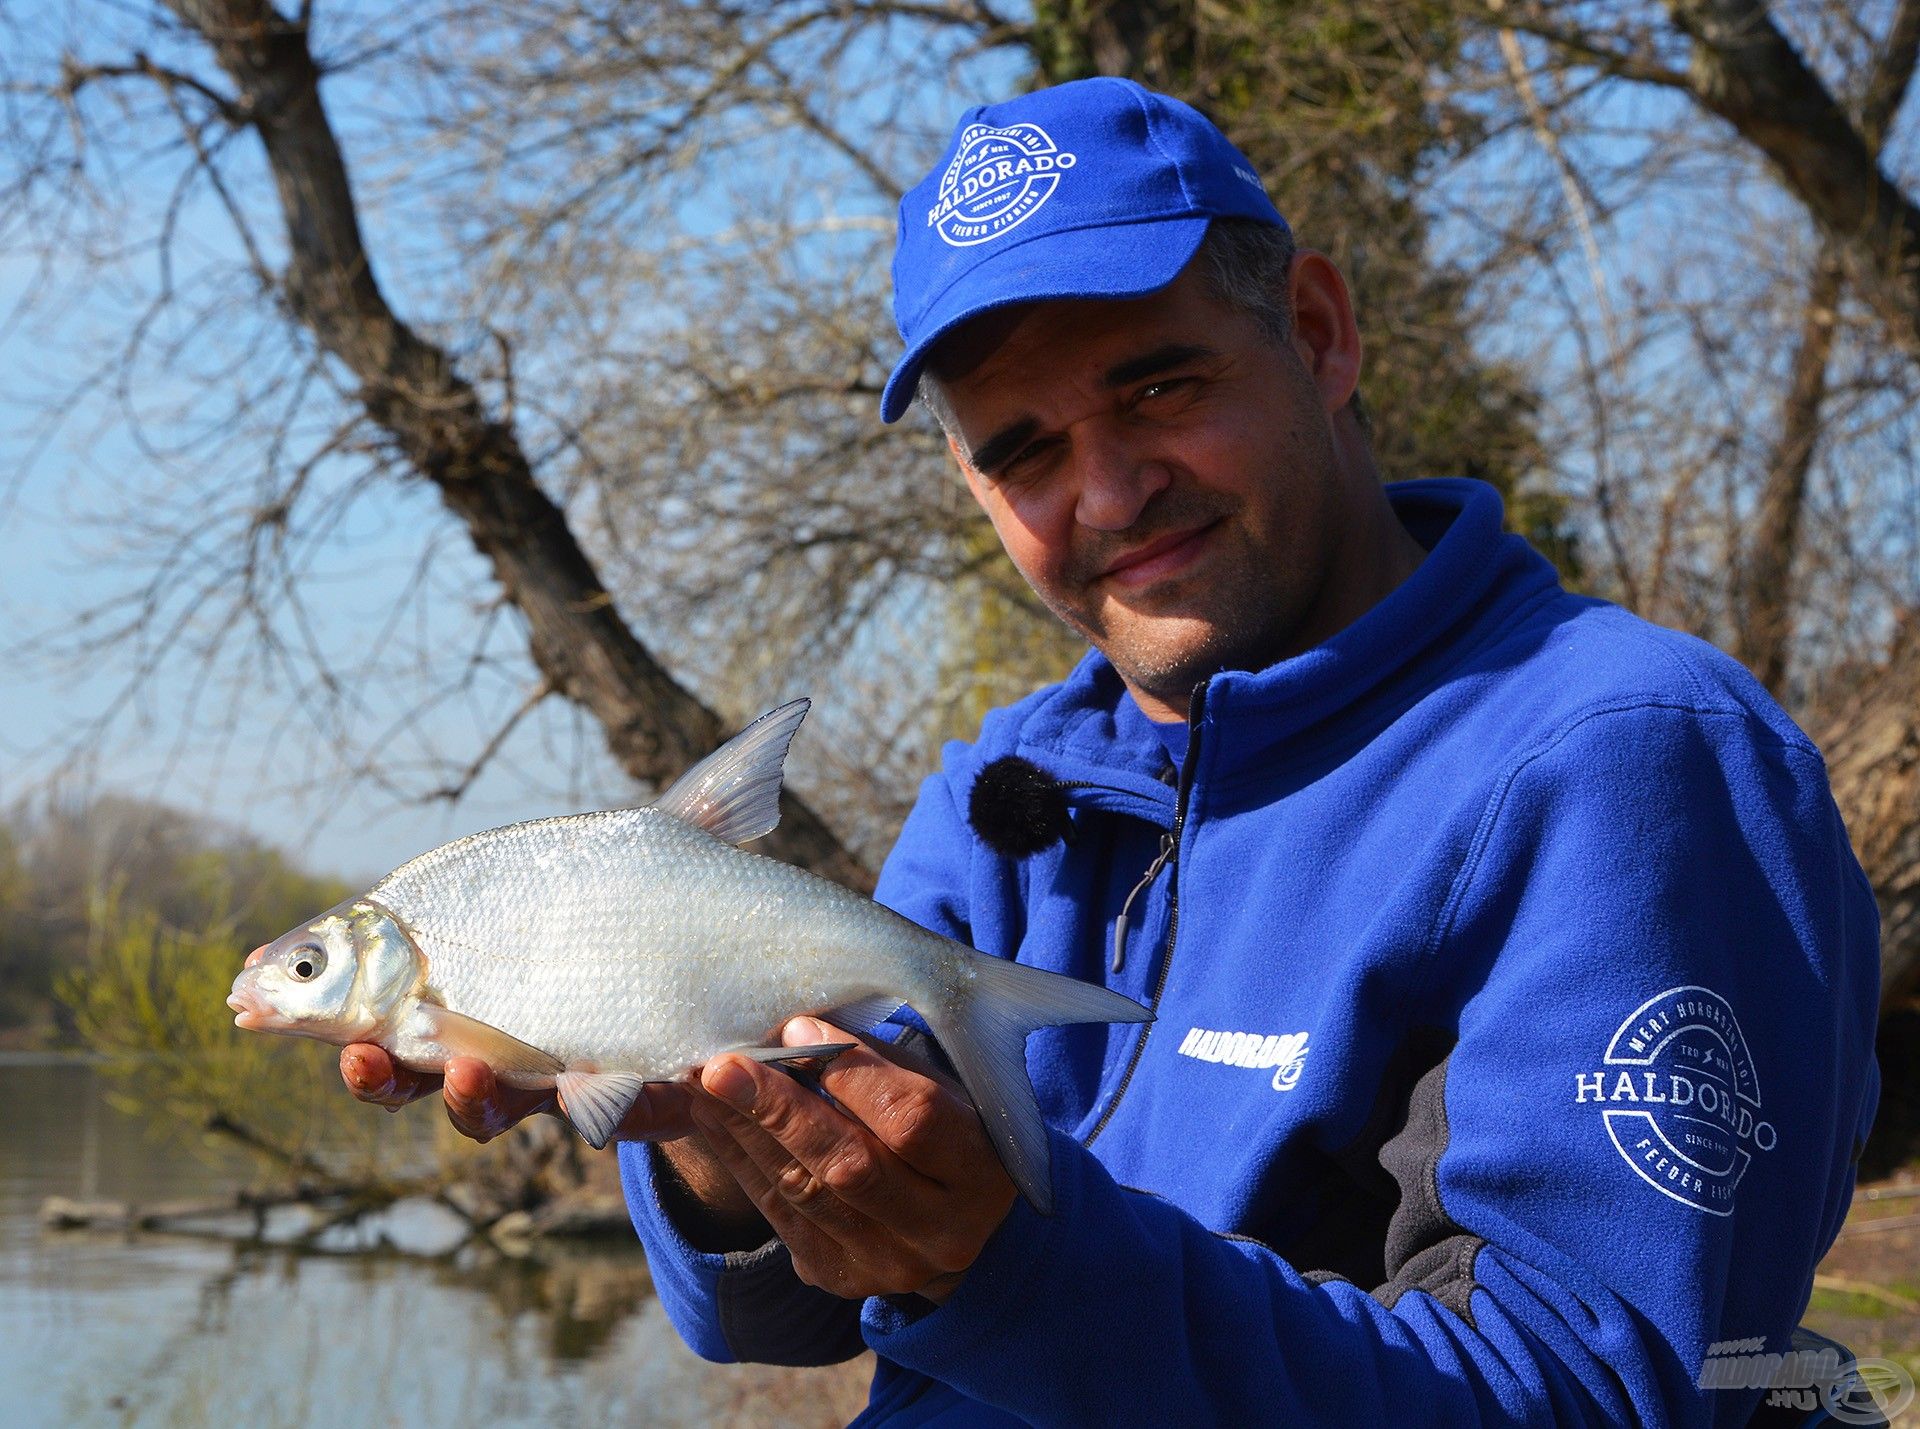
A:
1284, 1053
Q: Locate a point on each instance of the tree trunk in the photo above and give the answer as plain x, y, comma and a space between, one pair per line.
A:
1747, 72
1151, 41
1872, 744
654, 726
1765, 594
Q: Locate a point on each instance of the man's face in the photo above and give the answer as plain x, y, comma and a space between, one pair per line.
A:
1161, 471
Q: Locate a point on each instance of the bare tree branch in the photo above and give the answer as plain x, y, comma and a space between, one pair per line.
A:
1765, 600
411, 390
1748, 73
1765, 608
75, 76
1621, 61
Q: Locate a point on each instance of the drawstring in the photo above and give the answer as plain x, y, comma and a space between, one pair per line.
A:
1120, 923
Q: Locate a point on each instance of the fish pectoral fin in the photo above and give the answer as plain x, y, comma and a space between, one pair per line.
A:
808, 1053
597, 1102
734, 793
465, 1036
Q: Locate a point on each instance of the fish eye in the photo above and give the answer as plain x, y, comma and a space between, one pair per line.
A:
306, 962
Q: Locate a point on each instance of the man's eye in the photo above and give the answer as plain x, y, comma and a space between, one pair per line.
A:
1165, 387
1024, 463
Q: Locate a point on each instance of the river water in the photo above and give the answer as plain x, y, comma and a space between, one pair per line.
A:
102, 1328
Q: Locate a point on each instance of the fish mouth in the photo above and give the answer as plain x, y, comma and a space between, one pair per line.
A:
252, 1014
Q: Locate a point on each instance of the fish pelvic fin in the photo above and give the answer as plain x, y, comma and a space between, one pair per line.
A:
734, 793
597, 1102
985, 1035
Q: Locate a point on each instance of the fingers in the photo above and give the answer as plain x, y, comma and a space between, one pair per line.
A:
814, 1155
832, 1244
928, 1126
859, 1217
662, 1112
817, 1228
481, 1106
373, 1076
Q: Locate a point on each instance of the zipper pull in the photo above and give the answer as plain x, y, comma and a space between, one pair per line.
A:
1120, 923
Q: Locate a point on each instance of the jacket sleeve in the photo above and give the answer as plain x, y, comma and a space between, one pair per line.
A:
749, 1306
1658, 969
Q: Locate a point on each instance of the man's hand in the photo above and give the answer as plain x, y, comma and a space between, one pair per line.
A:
893, 1191
481, 1106
711, 1210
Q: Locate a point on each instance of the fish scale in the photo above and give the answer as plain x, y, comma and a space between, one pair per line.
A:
594, 953
647, 945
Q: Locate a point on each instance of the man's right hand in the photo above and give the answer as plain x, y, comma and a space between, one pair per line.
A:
708, 1204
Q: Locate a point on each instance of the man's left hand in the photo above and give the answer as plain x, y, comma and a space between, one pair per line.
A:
893, 1191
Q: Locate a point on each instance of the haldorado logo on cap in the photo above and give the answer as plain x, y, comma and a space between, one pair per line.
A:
997, 179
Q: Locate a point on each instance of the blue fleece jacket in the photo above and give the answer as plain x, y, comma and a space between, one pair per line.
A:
1516, 990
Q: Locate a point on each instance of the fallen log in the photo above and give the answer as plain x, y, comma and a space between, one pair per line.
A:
581, 1216
342, 1202
64, 1213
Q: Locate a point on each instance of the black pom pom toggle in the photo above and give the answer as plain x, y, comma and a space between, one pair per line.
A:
1018, 809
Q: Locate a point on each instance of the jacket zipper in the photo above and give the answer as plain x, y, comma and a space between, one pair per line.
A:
1170, 856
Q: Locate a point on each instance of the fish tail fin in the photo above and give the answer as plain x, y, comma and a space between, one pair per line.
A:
985, 1035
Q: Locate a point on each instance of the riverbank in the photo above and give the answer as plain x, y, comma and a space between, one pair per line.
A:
387, 1321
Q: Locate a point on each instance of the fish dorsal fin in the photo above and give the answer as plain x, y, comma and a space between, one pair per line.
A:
734, 793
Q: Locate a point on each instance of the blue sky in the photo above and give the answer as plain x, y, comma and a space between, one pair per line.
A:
258, 770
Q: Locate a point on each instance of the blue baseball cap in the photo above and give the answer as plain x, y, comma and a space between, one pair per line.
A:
1094, 189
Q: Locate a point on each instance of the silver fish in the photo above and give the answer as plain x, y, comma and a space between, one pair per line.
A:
597, 952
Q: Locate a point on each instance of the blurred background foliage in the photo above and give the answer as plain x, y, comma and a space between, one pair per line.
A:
122, 923
148, 890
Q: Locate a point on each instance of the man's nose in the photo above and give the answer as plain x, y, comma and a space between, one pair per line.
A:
1116, 483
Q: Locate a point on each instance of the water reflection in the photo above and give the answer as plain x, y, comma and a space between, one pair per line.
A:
395, 1320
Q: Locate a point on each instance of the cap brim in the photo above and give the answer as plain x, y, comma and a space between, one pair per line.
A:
1111, 261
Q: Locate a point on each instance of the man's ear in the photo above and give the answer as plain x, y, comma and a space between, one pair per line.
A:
1324, 332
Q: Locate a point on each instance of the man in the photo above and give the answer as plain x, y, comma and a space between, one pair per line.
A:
1515, 983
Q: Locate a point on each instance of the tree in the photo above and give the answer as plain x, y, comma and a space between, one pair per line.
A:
655, 240
411, 391
1808, 100
1736, 60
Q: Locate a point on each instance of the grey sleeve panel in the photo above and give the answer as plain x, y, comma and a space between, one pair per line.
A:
769, 1315
1426, 1248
